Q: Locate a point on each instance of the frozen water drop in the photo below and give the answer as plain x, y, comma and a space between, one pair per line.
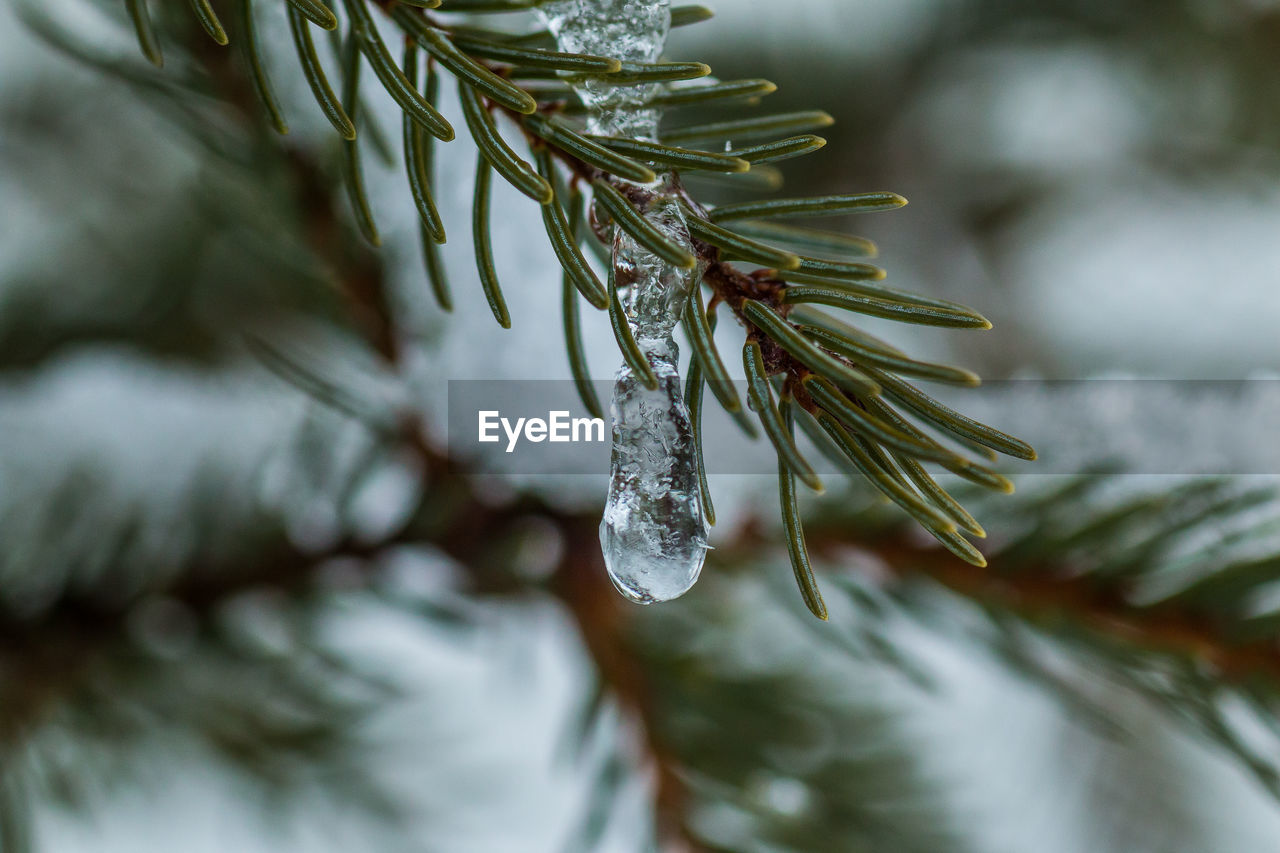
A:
653, 533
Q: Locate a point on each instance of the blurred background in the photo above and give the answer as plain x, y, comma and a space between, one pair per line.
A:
244, 606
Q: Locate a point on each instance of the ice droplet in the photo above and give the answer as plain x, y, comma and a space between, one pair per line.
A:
653, 533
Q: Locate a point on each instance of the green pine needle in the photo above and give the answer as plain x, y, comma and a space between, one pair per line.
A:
855, 416
393, 80
698, 330
842, 295
484, 249
825, 205
857, 351
315, 76
589, 151
657, 154
209, 20
856, 451
760, 398
794, 530
415, 158
782, 149
572, 328
658, 72
564, 243
699, 95
641, 229
751, 128
495, 149
257, 73
316, 12
498, 88
807, 239
683, 16
777, 329
693, 387
950, 420
146, 33
737, 246
631, 352
534, 58
352, 170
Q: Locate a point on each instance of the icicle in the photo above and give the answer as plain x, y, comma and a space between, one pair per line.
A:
653, 533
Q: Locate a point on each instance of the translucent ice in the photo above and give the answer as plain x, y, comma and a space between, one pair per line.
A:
633, 30
653, 533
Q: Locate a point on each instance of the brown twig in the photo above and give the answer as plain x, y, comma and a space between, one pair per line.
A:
1048, 595
580, 579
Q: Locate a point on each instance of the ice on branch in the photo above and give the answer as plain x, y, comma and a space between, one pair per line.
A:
653, 533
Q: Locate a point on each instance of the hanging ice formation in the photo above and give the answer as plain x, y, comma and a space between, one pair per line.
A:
653, 533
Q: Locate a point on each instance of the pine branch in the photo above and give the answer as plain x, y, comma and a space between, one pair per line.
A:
832, 372
1166, 592
828, 372
1205, 629
52, 657
1050, 596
